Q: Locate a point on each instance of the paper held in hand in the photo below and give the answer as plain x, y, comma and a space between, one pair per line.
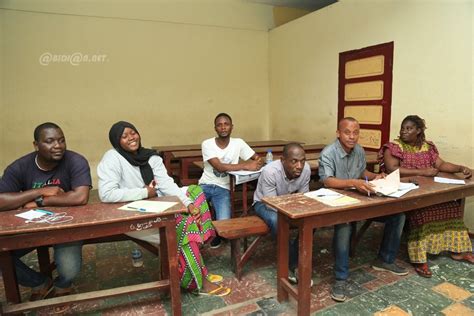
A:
147, 206
391, 185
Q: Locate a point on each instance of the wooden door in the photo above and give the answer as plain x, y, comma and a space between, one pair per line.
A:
365, 92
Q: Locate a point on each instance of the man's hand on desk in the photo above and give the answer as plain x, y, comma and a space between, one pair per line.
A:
51, 191
381, 175
45, 192
363, 186
253, 165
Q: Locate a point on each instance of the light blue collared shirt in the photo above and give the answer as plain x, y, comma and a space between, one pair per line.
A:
335, 162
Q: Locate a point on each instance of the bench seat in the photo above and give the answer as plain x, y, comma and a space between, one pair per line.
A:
236, 229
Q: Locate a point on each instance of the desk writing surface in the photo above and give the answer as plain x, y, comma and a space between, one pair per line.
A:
198, 153
297, 206
177, 148
187, 154
276, 142
84, 215
258, 150
192, 147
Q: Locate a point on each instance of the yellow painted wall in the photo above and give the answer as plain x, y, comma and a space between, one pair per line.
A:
432, 72
169, 69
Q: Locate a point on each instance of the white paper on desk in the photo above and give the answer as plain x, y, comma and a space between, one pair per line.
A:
326, 194
148, 206
448, 181
331, 198
387, 185
403, 189
31, 214
242, 176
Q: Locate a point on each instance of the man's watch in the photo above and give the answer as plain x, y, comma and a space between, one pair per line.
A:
39, 201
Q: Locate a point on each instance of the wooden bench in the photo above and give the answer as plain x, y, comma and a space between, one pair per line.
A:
235, 229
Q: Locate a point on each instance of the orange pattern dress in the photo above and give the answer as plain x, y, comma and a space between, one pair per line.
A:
435, 228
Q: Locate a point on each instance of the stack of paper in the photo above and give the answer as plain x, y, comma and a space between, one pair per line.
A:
391, 185
387, 185
243, 176
448, 181
331, 198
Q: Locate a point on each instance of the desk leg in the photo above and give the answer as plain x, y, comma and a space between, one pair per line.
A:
173, 268
244, 199
44, 261
164, 267
9, 278
305, 250
283, 235
232, 195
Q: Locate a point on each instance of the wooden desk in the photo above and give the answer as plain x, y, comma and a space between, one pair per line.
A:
307, 214
89, 221
311, 159
166, 151
187, 158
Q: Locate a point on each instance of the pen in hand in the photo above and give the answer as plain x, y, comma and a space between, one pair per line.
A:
367, 181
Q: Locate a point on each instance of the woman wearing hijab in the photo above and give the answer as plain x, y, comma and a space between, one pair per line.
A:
130, 172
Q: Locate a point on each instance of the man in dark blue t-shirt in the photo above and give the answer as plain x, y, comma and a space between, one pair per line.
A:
49, 176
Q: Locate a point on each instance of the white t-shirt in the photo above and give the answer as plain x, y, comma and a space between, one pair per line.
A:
236, 149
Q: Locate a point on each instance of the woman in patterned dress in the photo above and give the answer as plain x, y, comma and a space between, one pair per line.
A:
438, 227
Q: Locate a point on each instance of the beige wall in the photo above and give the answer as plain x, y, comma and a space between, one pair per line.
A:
167, 70
432, 72
282, 15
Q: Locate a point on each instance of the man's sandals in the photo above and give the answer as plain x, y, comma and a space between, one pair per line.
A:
465, 256
423, 270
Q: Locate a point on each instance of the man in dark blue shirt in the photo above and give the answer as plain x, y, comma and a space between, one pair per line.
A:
49, 176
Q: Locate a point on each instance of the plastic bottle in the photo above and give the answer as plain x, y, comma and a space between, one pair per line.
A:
269, 157
137, 258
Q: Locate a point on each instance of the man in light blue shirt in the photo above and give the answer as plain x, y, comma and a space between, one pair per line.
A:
342, 165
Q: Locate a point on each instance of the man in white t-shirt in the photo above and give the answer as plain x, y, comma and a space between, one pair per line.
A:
220, 155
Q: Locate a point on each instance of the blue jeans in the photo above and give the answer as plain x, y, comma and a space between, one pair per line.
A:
219, 198
68, 259
270, 217
388, 249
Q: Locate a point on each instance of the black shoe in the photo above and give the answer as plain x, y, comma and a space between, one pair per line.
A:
216, 242
338, 291
379, 265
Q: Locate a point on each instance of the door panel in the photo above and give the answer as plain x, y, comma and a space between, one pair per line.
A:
365, 92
